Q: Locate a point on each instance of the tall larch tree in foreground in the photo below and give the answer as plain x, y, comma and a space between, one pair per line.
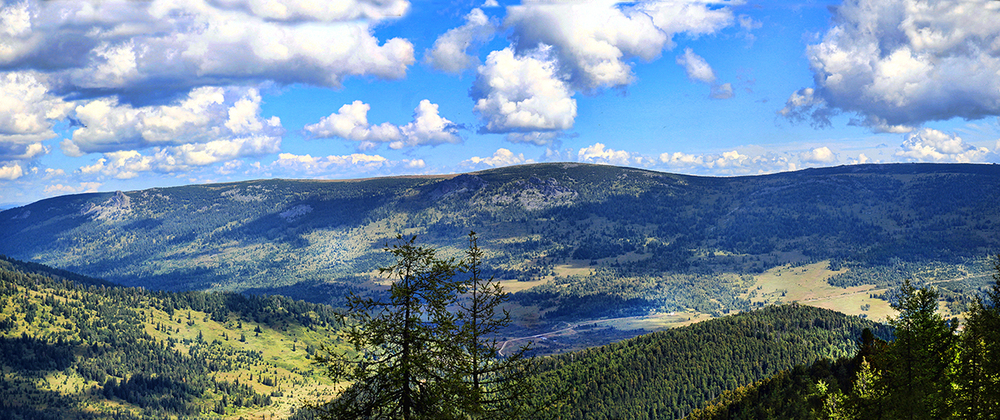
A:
404, 346
496, 386
429, 349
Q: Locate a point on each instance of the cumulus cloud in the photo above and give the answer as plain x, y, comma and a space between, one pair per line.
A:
491, 3
929, 145
450, 52
522, 93
350, 122
898, 64
502, 157
10, 171
821, 155
599, 153
726, 163
559, 48
58, 189
127, 164
319, 10
135, 49
860, 160
208, 115
27, 112
352, 164
594, 39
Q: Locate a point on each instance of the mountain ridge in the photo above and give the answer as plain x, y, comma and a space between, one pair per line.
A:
582, 235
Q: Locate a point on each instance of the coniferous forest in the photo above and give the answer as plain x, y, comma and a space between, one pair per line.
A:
930, 370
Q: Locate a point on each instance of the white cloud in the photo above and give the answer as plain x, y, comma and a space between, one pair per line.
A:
821, 155
50, 173
598, 153
11, 171
491, 3
127, 164
207, 115
698, 70
929, 145
726, 163
593, 39
520, 93
450, 52
860, 160
27, 112
352, 165
350, 122
696, 67
502, 157
900, 63
132, 47
59, 189
323, 11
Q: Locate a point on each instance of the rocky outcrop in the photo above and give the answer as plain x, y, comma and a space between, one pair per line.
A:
118, 207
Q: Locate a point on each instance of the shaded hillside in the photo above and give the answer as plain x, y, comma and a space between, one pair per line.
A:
668, 374
653, 240
77, 350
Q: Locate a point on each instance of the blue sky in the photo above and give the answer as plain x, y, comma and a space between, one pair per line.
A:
122, 95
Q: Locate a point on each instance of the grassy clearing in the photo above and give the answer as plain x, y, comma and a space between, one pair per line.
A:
282, 370
808, 285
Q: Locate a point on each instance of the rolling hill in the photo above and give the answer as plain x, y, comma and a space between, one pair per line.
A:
74, 347
575, 241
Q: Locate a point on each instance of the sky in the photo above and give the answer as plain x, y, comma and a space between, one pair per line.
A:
126, 95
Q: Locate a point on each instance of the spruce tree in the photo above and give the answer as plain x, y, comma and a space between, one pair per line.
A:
918, 363
979, 372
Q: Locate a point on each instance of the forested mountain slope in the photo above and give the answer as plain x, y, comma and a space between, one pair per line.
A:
85, 349
665, 375
602, 240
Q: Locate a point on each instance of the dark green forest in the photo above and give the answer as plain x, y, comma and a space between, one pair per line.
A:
667, 374
931, 370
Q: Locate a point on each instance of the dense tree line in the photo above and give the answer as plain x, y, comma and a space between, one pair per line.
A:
668, 374
929, 371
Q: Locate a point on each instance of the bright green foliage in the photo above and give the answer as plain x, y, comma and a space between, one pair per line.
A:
90, 349
918, 363
979, 362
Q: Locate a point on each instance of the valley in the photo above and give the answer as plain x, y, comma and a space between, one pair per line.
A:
596, 259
